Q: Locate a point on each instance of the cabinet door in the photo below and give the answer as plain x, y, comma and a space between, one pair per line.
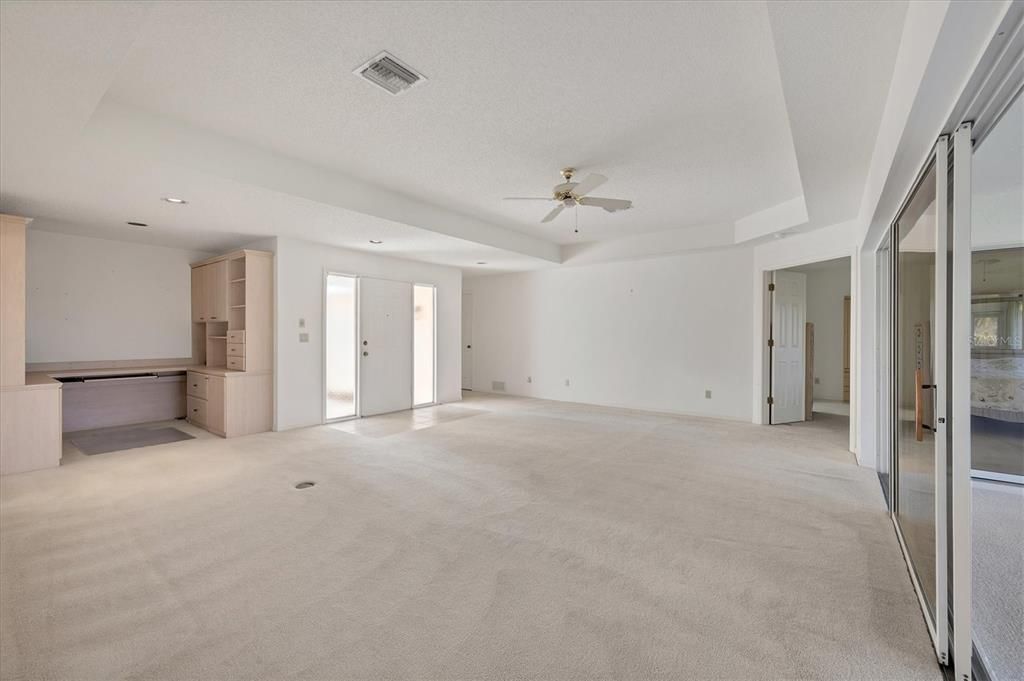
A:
217, 291
198, 294
215, 404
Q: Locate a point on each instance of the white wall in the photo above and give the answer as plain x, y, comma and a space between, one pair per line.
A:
300, 268
652, 334
826, 287
93, 299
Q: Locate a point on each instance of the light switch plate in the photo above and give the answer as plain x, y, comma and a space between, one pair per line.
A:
302, 323
707, 394
303, 337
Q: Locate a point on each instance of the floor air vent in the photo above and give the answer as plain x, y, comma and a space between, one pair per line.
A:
386, 71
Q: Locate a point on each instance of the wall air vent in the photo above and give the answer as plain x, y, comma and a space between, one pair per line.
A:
387, 71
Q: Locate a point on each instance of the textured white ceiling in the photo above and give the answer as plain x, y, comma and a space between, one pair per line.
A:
678, 103
702, 113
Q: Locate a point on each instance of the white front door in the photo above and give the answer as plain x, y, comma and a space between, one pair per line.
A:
467, 341
789, 314
385, 346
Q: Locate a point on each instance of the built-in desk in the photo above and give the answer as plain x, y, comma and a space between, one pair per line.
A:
221, 400
122, 395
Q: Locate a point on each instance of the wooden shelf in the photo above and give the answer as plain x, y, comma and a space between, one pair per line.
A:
235, 281
235, 307
217, 337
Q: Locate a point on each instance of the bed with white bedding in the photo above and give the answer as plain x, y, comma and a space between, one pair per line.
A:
997, 387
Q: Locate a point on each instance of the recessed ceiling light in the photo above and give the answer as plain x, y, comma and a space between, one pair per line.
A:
375, 241
174, 199
480, 262
133, 223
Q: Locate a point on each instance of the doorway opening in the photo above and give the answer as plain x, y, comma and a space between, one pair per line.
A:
809, 346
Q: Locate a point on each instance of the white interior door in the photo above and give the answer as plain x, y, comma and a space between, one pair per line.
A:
467, 341
385, 346
789, 314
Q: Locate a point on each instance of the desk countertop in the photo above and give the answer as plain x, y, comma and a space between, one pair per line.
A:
48, 379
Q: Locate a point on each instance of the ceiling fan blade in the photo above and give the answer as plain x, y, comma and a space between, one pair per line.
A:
610, 205
527, 198
589, 184
554, 213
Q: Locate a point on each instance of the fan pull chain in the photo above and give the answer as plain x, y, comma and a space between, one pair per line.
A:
576, 214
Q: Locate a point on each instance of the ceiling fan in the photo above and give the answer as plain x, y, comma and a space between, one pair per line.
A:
570, 193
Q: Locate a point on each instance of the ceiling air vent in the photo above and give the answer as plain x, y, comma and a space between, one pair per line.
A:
386, 71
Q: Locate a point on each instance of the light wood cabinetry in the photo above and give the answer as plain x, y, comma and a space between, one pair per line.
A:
30, 427
30, 407
210, 292
12, 300
216, 275
232, 311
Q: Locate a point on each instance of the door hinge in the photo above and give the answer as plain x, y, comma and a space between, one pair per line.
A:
771, 287
771, 400
771, 342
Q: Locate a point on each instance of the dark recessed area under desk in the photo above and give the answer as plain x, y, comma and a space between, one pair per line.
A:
116, 399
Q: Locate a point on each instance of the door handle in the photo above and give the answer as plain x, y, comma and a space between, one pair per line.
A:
919, 387
366, 354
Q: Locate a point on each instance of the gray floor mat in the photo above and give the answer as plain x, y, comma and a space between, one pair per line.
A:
100, 441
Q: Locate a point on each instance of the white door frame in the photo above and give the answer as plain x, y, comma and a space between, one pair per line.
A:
462, 341
961, 402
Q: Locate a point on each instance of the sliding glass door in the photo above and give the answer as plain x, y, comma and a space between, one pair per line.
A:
996, 368
919, 367
951, 358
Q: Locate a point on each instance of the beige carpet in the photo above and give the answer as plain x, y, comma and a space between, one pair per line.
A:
510, 539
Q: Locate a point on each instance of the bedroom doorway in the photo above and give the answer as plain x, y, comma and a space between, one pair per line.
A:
824, 377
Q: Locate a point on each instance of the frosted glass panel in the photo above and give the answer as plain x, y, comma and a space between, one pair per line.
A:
423, 345
341, 346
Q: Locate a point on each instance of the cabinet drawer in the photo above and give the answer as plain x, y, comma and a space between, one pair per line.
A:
196, 410
236, 363
236, 349
195, 385
236, 336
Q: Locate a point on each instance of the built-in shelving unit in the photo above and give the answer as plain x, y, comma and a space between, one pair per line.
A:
232, 313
